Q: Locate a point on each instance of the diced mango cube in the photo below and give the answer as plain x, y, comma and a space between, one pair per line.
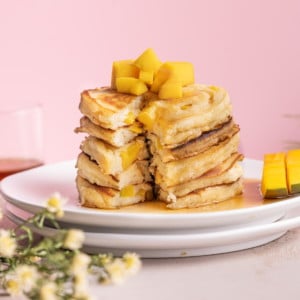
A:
148, 61
162, 75
123, 68
130, 85
130, 154
183, 71
147, 116
127, 191
136, 127
293, 170
146, 76
130, 118
172, 88
274, 183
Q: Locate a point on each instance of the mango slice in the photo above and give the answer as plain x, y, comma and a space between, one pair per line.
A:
293, 171
148, 61
131, 85
274, 183
172, 88
123, 68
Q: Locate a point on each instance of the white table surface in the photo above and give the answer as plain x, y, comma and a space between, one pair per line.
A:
271, 271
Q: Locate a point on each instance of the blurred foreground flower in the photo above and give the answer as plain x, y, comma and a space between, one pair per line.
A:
54, 267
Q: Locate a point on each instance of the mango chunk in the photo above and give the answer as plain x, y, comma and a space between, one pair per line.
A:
127, 191
148, 61
183, 71
130, 85
136, 127
274, 183
148, 116
172, 88
293, 171
123, 68
130, 118
130, 154
146, 76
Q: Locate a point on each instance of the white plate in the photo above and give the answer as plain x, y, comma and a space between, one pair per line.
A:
182, 244
30, 189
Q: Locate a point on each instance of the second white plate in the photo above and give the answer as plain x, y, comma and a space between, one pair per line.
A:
184, 244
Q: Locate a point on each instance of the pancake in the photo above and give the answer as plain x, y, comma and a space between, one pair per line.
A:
177, 121
228, 171
186, 169
117, 138
205, 196
94, 196
109, 109
195, 146
113, 160
136, 173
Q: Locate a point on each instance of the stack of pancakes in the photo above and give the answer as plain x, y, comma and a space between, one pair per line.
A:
194, 143
113, 166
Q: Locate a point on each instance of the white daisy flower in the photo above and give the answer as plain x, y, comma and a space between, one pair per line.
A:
80, 263
13, 287
132, 262
74, 239
116, 271
81, 285
55, 204
48, 291
7, 244
27, 276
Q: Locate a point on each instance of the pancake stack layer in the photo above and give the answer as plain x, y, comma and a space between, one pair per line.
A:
113, 166
194, 143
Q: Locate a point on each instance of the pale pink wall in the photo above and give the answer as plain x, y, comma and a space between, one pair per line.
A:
51, 50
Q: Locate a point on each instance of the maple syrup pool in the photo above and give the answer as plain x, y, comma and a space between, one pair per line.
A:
251, 197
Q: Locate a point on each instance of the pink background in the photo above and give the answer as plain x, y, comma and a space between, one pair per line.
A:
51, 50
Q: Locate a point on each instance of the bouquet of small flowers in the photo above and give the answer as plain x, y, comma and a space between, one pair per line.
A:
50, 268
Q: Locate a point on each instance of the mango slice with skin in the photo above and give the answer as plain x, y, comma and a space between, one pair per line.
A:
123, 68
293, 171
131, 85
274, 182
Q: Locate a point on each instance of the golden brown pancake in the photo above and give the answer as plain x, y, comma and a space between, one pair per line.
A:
195, 146
94, 196
113, 160
109, 109
226, 172
136, 173
117, 138
186, 169
205, 196
177, 121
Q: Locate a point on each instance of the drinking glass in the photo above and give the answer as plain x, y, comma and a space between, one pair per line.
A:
21, 135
